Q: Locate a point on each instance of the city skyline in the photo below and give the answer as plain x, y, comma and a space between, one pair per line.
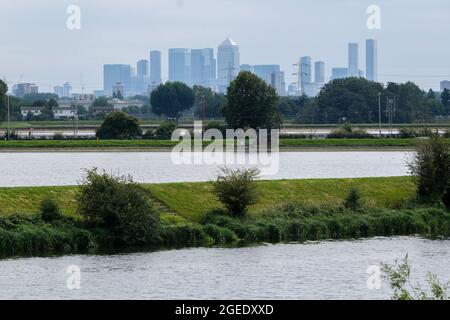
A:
79, 55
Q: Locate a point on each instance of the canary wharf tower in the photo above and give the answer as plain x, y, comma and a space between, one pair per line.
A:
228, 63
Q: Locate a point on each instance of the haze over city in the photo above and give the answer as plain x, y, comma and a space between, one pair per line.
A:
411, 40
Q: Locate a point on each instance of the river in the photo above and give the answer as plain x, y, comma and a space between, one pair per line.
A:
52, 169
315, 270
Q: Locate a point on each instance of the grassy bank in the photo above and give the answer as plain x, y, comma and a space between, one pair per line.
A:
290, 210
148, 145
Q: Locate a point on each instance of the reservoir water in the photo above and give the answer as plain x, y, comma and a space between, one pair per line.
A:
322, 270
52, 169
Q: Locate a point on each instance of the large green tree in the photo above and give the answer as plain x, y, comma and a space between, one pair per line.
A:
119, 125
171, 99
251, 103
445, 98
214, 102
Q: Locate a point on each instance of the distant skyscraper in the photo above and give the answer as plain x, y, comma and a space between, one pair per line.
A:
278, 82
142, 68
305, 73
22, 89
228, 63
353, 60
319, 72
203, 67
155, 67
246, 67
339, 73
372, 60
116, 73
265, 71
180, 65
445, 85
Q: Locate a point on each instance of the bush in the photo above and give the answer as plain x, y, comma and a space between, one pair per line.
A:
50, 211
119, 205
236, 189
119, 125
347, 132
430, 168
353, 200
164, 132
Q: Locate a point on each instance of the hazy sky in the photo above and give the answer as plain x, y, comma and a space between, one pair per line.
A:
414, 40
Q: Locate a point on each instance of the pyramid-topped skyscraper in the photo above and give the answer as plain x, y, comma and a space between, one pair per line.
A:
228, 63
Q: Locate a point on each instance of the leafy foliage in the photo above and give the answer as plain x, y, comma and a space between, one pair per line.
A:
251, 103
399, 277
171, 99
430, 168
236, 189
120, 205
50, 210
119, 125
353, 200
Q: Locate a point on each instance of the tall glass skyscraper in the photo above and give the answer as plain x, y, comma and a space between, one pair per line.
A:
203, 67
305, 73
372, 60
319, 72
155, 67
353, 60
114, 74
228, 64
180, 65
142, 68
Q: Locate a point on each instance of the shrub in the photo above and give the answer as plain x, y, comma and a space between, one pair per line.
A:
50, 210
119, 125
430, 168
164, 132
347, 132
353, 200
237, 189
120, 205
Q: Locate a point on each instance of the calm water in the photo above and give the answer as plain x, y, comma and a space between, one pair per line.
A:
325, 270
43, 169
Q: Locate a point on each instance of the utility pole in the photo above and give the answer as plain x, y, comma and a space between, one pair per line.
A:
379, 111
7, 133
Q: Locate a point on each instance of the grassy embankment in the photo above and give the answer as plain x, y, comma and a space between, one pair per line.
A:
148, 145
290, 210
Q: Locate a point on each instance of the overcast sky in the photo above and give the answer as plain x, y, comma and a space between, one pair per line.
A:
414, 40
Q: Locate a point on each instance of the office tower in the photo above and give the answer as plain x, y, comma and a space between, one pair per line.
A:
278, 82
246, 67
228, 64
339, 73
116, 73
118, 90
319, 72
180, 65
372, 60
445, 85
203, 67
353, 60
305, 73
142, 68
155, 67
265, 71
22, 89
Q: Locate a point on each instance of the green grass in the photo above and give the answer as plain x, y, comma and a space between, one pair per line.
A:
299, 144
193, 200
190, 201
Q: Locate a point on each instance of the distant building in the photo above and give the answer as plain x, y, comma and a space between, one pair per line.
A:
119, 90
63, 91
319, 72
203, 67
353, 60
121, 104
305, 73
116, 73
155, 67
143, 68
339, 73
22, 89
228, 64
180, 65
278, 82
445, 85
292, 90
142, 79
265, 71
246, 67
60, 112
372, 60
